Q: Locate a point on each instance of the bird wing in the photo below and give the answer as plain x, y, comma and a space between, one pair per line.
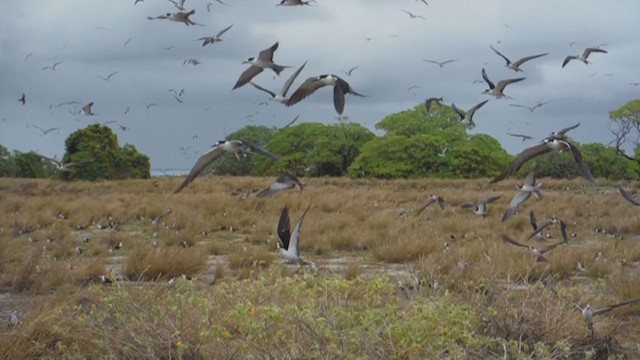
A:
490, 199
204, 160
224, 30
550, 247
448, 61
263, 89
284, 228
532, 220
426, 204
51, 159
470, 204
505, 238
110, 75
458, 111
275, 188
567, 59
523, 157
530, 179
247, 75
338, 98
290, 80
519, 198
518, 105
577, 156
295, 235
562, 132
440, 202
563, 231
307, 88
486, 78
527, 58
475, 108
611, 307
590, 50
501, 55
267, 54
431, 61
87, 108
541, 226
627, 195
257, 149
503, 83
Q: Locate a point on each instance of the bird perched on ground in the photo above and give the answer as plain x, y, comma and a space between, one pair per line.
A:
529, 187
430, 200
309, 86
515, 66
283, 182
206, 40
583, 57
537, 252
263, 61
497, 90
289, 244
237, 147
480, 206
467, 118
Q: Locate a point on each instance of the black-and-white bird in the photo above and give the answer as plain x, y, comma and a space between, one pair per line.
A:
206, 40
583, 57
531, 108
289, 244
67, 167
412, 15
281, 97
86, 110
552, 221
309, 86
524, 137
14, 320
283, 182
529, 187
467, 118
44, 131
23, 99
295, 2
108, 77
432, 100
515, 66
588, 312
497, 90
52, 67
534, 225
537, 252
350, 71
480, 206
237, 147
181, 17
191, 61
263, 61
627, 196
430, 200
440, 63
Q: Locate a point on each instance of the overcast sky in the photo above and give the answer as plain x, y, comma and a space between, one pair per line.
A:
89, 37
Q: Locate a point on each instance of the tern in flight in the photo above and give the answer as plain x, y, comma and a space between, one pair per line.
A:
497, 90
467, 118
281, 97
583, 57
524, 193
440, 63
182, 17
108, 77
430, 200
263, 61
480, 206
309, 86
531, 108
52, 67
515, 66
537, 252
412, 15
206, 40
284, 182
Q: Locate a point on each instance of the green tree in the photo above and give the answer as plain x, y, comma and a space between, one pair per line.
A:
29, 165
7, 165
625, 127
99, 144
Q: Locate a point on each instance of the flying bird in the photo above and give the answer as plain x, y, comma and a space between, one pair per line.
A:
210, 4
182, 17
440, 63
237, 147
350, 71
52, 67
467, 118
86, 110
206, 40
534, 225
127, 42
480, 206
148, 106
68, 167
263, 61
283, 182
289, 244
108, 77
524, 193
588, 312
537, 252
524, 137
515, 66
583, 57
430, 200
23, 99
423, 1
497, 89
627, 195
309, 86
291, 122
294, 2
432, 100
281, 97
44, 132
531, 108
412, 15
548, 222
179, 4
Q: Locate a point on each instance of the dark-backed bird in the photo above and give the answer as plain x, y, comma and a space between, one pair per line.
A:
350, 71
281, 97
206, 40
430, 200
283, 182
108, 77
182, 17
515, 66
66, 167
23, 99
467, 118
295, 2
537, 252
263, 61
531, 108
52, 67
86, 110
497, 90
289, 244
480, 206
627, 196
432, 100
552, 221
309, 86
534, 225
529, 187
524, 137
412, 15
237, 147
583, 57
44, 131
440, 63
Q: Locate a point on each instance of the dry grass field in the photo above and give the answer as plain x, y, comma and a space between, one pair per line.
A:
383, 282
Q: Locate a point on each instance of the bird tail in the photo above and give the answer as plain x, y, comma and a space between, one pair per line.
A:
278, 68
